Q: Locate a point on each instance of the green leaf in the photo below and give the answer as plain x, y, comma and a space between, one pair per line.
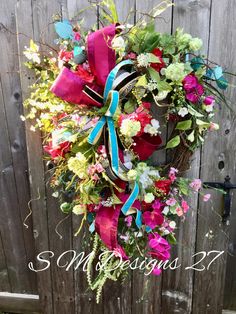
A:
202, 124
184, 125
194, 112
142, 81
129, 107
163, 86
155, 76
171, 238
173, 142
152, 58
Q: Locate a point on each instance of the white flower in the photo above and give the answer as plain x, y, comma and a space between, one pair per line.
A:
183, 112
165, 210
209, 108
172, 224
162, 95
143, 60
149, 197
128, 160
130, 128
153, 127
152, 86
118, 43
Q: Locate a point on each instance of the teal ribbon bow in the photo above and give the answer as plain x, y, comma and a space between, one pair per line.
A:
111, 97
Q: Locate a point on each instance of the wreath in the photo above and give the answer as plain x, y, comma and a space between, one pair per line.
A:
104, 103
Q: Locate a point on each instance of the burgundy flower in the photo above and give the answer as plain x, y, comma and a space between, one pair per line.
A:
163, 186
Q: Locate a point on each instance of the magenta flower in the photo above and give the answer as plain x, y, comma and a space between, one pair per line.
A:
160, 247
190, 82
156, 271
128, 220
195, 94
153, 219
157, 205
209, 100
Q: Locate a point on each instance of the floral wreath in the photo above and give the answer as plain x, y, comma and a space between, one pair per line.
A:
95, 103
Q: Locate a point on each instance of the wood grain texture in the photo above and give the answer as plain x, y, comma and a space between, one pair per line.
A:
25, 28
14, 168
177, 288
219, 147
147, 289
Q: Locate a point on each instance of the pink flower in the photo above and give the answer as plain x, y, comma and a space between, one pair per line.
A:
185, 206
57, 151
195, 95
171, 202
206, 197
153, 219
160, 247
179, 211
132, 56
156, 271
190, 82
209, 100
102, 150
172, 174
196, 184
128, 220
99, 168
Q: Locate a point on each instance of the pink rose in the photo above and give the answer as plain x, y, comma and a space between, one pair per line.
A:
196, 184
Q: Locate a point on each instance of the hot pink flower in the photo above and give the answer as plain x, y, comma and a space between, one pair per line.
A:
153, 219
157, 205
185, 206
196, 184
156, 271
190, 82
209, 100
160, 247
195, 95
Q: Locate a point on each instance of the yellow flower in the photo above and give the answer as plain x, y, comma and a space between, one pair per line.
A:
79, 209
78, 165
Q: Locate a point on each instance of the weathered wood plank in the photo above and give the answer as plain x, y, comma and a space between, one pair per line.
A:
147, 289
177, 286
19, 303
218, 160
34, 149
16, 150
62, 281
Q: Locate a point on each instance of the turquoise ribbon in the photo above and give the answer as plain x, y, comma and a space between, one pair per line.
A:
112, 96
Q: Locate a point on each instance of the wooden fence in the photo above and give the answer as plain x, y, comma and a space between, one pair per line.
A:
23, 178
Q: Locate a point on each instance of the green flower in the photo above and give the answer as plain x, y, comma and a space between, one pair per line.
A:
195, 44
78, 165
149, 197
132, 175
130, 128
175, 72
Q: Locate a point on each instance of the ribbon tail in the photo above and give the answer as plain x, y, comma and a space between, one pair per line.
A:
113, 145
96, 132
131, 199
